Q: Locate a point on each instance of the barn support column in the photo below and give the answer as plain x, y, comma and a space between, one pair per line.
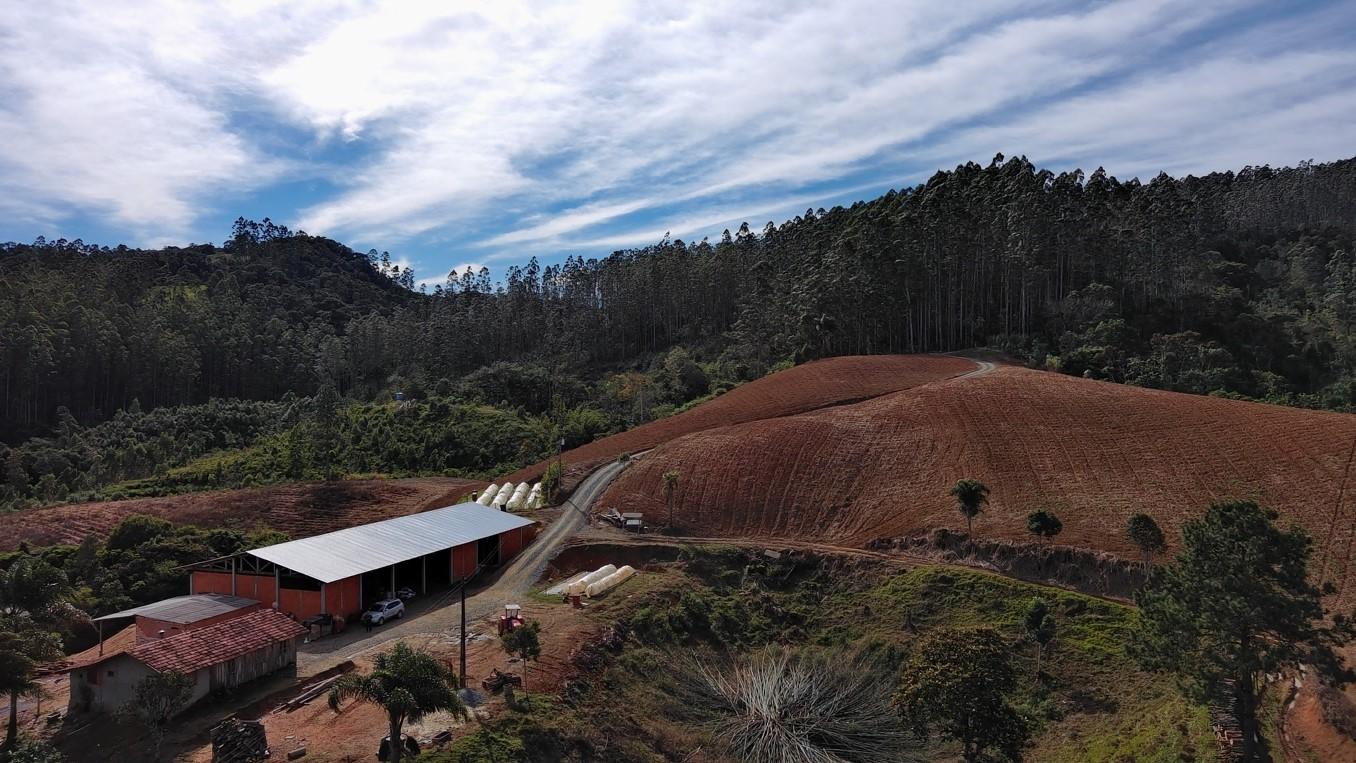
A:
463, 635
423, 575
324, 603
392, 591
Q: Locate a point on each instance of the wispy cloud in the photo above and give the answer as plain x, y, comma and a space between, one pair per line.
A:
478, 133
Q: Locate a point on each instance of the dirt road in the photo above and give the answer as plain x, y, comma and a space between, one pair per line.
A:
441, 615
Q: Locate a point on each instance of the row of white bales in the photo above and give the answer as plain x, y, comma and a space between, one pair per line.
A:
513, 497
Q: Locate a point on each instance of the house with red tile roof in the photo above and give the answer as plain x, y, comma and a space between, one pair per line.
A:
215, 658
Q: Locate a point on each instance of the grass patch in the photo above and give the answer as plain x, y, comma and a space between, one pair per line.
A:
1090, 703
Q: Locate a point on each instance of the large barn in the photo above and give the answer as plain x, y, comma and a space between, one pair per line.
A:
339, 573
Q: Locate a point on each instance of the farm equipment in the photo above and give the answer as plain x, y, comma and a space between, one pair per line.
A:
511, 619
499, 679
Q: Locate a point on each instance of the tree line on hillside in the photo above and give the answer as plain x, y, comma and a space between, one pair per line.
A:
1236, 282
1235, 604
490, 422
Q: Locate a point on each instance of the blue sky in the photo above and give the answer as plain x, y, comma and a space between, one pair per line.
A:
484, 134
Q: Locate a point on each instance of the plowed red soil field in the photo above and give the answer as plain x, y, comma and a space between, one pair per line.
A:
821, 383
298, 510
1094, 453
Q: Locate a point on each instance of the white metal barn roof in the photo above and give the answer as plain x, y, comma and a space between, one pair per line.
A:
355, 550
186, 609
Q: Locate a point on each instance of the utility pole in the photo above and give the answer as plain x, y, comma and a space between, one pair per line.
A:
463, 634
560, 467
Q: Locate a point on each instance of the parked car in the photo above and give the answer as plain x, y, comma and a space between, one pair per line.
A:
405, 593
384, 610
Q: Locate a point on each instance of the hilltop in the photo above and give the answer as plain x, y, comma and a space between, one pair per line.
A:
1092, 452
297, 510
829, 382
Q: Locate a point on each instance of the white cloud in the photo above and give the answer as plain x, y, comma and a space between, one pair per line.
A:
120, 114
514, 127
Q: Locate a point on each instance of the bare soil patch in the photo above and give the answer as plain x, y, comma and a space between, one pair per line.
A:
298, 510
832, 381
1094, 453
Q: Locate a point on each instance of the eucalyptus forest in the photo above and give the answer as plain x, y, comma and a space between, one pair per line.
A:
118, 364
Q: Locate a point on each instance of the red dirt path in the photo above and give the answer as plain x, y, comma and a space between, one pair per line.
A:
1093, 452
298, 510
833, 381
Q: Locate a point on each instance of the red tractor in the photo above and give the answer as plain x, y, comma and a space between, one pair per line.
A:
511, 620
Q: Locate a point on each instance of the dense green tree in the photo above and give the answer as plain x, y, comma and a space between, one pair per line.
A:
1237, 603
955, 684
1145, 533
1038, 622
1043, 524
970, 495
155, 701
523, 642
36, 751
405, 683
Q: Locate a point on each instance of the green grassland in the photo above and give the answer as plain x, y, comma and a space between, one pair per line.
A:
1089, 704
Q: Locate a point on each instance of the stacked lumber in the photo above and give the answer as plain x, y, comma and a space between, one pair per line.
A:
237, 741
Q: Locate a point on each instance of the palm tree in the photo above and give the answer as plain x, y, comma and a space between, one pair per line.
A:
407, 684
670, 485
971, 495
33, 608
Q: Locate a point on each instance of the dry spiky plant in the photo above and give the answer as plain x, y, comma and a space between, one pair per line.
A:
784, 706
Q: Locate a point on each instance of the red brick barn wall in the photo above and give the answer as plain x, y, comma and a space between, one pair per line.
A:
342, 597
510, 543
257, 587
463, 561
299, 604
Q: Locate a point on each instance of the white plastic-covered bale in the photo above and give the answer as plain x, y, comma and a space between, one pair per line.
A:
611, 581
598, 574
516, 501
503, 496
535, 500
487, 496
564, 585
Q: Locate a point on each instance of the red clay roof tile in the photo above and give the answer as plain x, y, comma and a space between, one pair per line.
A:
194, 650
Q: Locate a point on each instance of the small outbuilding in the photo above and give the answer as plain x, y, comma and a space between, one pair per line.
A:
181, 613
215, 658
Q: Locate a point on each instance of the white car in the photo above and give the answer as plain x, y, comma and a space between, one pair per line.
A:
386, 609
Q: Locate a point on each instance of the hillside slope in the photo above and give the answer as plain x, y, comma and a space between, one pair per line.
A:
821, 383
298, 510
1093, 452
